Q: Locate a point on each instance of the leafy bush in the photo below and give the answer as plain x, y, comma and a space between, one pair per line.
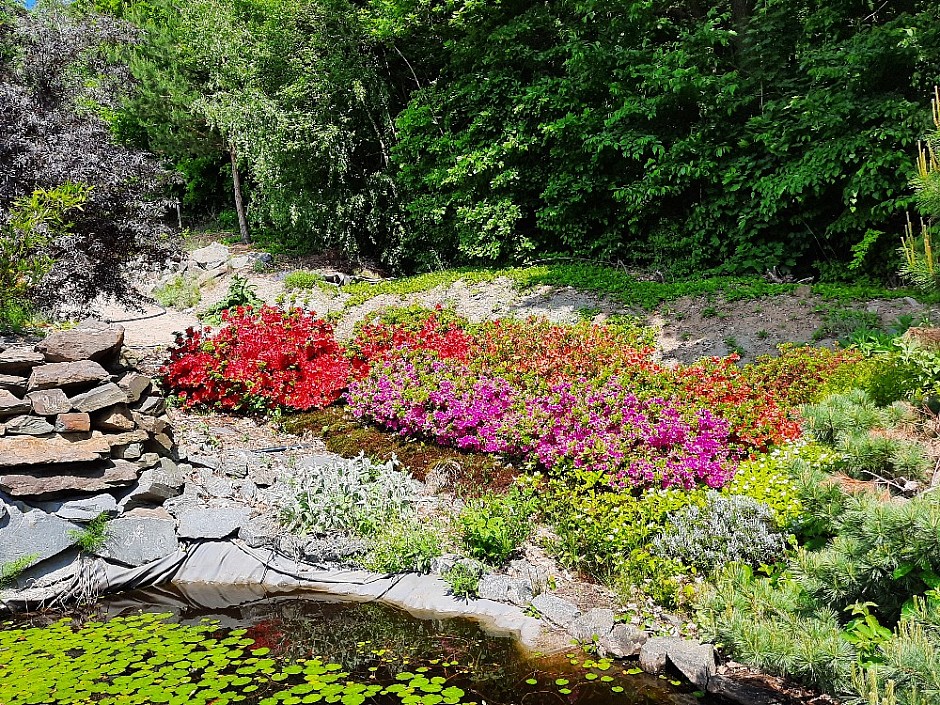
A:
259, 360
180, 292
402, 544
240, 293
463, 579
493, 527
353, 496
842, 323
722, 530
302, 280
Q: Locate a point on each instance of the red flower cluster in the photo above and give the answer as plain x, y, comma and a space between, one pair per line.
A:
430, 332
259, 359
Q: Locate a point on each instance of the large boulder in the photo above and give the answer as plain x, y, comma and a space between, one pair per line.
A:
212, 256
67, 375
100, 343
44, 481
140, 537
100, 397
592, 626
32, 532
624, 641
697, 662
28, 450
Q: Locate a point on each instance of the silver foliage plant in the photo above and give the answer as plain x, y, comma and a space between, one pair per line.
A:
347, 495
721, 531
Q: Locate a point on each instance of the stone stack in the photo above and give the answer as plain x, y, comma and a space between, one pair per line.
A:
83, 434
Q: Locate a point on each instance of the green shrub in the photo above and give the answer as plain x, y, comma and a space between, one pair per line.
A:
463, 579
404, 544
842, 323
722, 530
302, 280
493, 527
180, 293
240, 293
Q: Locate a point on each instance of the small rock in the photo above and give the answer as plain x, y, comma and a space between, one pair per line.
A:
136, 540
113, 418
14, 383
66, 375
624, 641
82, 510
536, 576
204, 461
132, 451
28, 426
592, 626
100, 343
697, 662
49, 402
99, 397
261, 531
13, 406
155, 486
73, 423
555, 610
152, 406
247, 491
151, 424
135, 385
212, 524
333, 549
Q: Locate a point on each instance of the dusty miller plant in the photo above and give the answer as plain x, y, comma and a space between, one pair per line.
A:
56, 88
350, 496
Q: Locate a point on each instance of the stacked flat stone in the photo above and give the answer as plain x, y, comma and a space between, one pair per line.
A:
83, 434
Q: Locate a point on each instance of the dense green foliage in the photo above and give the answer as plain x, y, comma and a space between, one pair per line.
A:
732, 136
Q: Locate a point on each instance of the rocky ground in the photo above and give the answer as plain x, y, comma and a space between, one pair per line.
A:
688, 328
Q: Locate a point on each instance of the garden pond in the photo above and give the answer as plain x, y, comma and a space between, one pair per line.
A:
156, 647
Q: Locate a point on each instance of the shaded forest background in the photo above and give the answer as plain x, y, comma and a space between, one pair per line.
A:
724, 137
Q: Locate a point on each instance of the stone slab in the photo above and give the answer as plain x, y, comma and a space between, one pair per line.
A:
28, 450
19, 360
100, 343
57, 480
49, 402
27, 426
138, 540
67, 375
32, 532
98, 398
205, 524
11, 405
82, 510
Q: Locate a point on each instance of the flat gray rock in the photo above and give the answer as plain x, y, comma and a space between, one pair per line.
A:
32, 532
555, 610
82, 510
152, 406
28, 450
67, 375
697, 662
49, 402
138, 540
155, 485
44, 481
135, 385
262, 531
100, 397
211, 256
592, 626
99, 343
502, 588
624, 641
28, 426
211, 524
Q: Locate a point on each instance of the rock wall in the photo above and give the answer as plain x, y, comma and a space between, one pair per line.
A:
83, 434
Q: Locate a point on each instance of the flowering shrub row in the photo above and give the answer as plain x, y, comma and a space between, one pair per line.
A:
584, 398
259, 360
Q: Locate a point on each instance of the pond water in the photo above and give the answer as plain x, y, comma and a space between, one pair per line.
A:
164, 647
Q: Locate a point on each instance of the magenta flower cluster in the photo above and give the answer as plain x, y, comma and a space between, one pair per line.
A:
587, 426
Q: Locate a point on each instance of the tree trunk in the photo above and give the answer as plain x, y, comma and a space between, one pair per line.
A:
239, 204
